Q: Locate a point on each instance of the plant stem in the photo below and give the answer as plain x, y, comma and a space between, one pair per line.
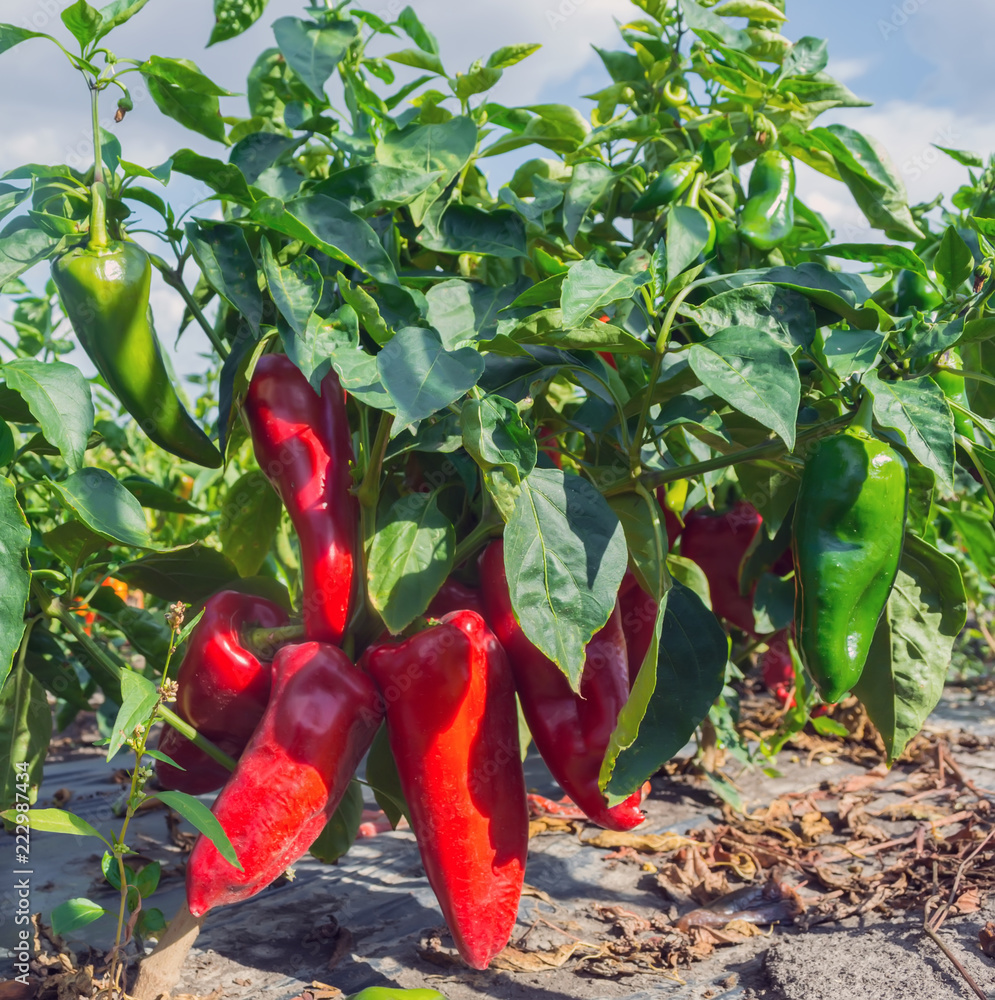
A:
769, 449
98, 209
369, 489
175, 281
484, 531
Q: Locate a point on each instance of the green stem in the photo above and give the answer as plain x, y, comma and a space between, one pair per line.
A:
98, 210
478, 537
267, 639
769, 449
185, 729
720, 203
369, 489
977, 376
174, 280
968, 447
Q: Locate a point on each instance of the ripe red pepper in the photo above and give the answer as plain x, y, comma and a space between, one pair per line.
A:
570, 730
718, 543
321, 720
638, 611
453, 731
303, 445
222, 690
455, 596
778, 670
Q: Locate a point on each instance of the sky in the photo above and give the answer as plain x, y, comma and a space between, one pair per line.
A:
923, 64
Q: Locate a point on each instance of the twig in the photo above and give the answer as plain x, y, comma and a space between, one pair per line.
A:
946, 951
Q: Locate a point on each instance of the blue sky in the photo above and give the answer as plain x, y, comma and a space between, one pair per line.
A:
924, 64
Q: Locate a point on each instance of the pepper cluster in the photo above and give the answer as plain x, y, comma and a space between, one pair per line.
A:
300, 721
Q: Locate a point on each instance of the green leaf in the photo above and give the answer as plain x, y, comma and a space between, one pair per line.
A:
224, 178
422, 377
190, 574
852, 352
97, 499
11, 35
74, 914
147, 632
83, 22
978, 537
509, 55
323, 341
147, 880
366, 308
646, 537
118, 12
876, 253
232, 17
139, 696
410, 557
953, 262
199, 816
918, 410
785, 314
59, 399
808, 55
589, 286
313, 51
909, 657
465, 229
381, 773
152, 496
250, 515
25, 731
60, 821
340, 831
754, 374
564, 555
442, 148
226, 261
14, 576
418, 59
296, 288
693, 651
410, 24
688, 233
21, 249
330, 227
181, 92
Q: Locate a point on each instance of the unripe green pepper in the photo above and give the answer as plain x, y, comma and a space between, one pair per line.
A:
848, 532
914, 293
389, 993
105, 295
954, 389
769, 214
669, 185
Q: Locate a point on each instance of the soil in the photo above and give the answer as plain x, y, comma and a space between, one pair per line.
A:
846, 856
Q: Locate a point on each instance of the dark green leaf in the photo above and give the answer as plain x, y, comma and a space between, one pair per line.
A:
224, 178
565, 555
589, 286
693, 651
381, 773
422, 377
224, 257
953, 262
139, 697
14, 578
232, 17
59, 399
340, 831
907, 665
25, 730
152, 496
688, 233
876, 253
104, 506
465, 229
190, 575
784, 314
296, 288
754, 374
83, 22
181, 92
11, 35
250, 515
313, 51
852, 352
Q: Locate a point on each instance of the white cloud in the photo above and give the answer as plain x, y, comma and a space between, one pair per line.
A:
847, 70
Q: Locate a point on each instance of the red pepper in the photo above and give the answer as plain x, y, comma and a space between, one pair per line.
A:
321, 720
549, 446
718, 543
303, 445
570, 730
778, 670
222, 690
455, 596
453, 731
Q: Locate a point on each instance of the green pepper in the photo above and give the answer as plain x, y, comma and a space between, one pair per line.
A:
769, 215
914, 293
954, 389
669, 184
105, 295
847, 537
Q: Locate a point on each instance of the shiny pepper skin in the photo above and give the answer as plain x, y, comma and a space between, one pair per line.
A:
570, 730
320, 721
848, 531
718, 543
455, 596
105, 295
453, 731
222, 690
303, 445
769, 214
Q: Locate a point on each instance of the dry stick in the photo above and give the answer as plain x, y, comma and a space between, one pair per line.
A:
159, 973
946, 951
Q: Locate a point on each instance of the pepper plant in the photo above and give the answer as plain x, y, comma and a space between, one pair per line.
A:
432, 362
